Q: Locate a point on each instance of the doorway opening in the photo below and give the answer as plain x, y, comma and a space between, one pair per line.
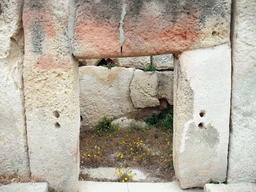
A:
121, 138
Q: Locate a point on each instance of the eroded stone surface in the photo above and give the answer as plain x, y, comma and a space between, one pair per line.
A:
106, 92
201, 115
147, 88
25, 187
163, 62
135, 28
13, 145
51, 88
242, 153
135, 62
245, 187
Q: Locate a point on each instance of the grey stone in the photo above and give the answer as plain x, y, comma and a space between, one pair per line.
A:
13, 140
242, 153
25, 187
202, 87
163, 62
244, 187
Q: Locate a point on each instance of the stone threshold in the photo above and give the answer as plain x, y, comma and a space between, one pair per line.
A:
90, 186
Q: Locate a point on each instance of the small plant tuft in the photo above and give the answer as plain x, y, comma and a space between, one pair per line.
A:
105, 125
163, 119
149, 68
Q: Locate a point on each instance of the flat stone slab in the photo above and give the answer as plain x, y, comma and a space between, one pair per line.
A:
25, 187
117, 28
237, 187
89, 186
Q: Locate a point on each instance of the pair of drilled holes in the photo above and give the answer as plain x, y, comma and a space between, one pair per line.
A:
201, 114
57, 115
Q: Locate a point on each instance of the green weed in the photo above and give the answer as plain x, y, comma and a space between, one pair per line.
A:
163, 119
105, 125
149, 68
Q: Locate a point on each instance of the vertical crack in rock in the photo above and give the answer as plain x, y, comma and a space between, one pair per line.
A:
122, 38
71, 23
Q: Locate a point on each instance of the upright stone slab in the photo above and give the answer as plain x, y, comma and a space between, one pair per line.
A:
242, 153
51, 84
202, 86
13, 144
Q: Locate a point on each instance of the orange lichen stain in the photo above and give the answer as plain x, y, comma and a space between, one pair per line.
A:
48, 62
42, 18
153, 35
98, 39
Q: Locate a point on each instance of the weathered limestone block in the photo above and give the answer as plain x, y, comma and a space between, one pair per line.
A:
51, 83
144, 89
106, 92
237, 187
165, 86
138, 28
125, 123
135, 62
202, 86
242, 153
148, 87
163, 62
13, 144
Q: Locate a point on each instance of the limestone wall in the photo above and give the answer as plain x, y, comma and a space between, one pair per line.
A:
39, 82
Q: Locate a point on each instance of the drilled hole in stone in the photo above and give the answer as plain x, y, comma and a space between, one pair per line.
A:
202, 113
201, 125
57, 125
56, 114
215, 33
81, 118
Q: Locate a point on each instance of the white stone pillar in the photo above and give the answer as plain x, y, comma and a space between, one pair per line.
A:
13, 144
202, 86
51, 83
242, 153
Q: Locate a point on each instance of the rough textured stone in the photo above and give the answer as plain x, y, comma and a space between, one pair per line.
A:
244, 187
51, 88
144, 89
106, 92
125, 123
148, 87
135, 62
25, 187
13, 145
201, 115
138, 28
242, 153
163, 62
